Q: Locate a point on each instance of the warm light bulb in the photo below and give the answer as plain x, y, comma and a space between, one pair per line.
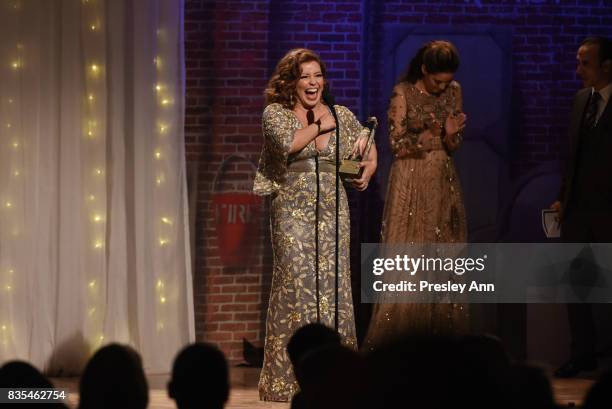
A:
8, 204
163, 128
98, 171
98, 244
97, 218
160, 180
15, 144
165, 101
16, 173
160, 284
90, 97
93, 27
91, 198
166, 220
8, 288
4, 328
16, 64
101, 338
92, 284
158, 154
158, 87
8, 126
11, 271
94, 68
162, 299
163, 242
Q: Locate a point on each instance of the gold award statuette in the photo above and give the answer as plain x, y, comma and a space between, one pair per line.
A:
349, 166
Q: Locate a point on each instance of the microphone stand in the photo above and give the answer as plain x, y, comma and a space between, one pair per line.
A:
329, 100
310, 119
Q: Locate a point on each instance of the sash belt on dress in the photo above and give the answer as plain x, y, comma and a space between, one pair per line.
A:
309, 165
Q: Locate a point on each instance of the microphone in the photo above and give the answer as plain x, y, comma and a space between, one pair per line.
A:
310, 117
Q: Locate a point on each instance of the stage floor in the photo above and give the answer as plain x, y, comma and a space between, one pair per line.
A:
568, 392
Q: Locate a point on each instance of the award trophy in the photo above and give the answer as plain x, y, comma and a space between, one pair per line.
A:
349, 167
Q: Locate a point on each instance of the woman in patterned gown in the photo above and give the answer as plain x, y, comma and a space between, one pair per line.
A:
298, 130
424, 202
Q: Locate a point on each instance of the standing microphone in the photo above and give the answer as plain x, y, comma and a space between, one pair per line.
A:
329, 100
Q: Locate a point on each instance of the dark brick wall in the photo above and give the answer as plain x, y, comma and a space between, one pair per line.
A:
231, 49
546, 34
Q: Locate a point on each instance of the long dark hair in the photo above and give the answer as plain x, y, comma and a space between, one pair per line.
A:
437, 56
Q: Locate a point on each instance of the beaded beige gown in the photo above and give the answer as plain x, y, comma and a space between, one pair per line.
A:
423, 205
291, 182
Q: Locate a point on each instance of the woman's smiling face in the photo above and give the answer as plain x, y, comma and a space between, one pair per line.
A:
309, 87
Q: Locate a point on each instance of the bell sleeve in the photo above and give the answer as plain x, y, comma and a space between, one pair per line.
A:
278, 135
402, 140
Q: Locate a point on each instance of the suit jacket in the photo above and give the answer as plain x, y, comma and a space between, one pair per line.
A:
598, 168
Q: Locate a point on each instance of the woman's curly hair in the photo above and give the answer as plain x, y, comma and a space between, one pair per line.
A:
281, 87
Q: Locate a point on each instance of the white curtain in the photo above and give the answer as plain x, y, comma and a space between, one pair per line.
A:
93, 213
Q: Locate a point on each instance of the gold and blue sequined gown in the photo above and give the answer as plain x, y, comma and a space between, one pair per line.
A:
423, 204
291, 182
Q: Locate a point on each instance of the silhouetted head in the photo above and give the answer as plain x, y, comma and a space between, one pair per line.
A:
309, 337
333, 377
530, 388
22, 374
19, 374
600, 394
114, 378
200, 378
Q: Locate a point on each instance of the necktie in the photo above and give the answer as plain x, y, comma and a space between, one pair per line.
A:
590, 115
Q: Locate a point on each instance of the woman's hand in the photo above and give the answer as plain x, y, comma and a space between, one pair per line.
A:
360, 145
327, 123
369, 167
425, 139
455, 123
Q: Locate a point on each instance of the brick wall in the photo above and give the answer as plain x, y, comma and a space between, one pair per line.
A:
545, 38
231, 50
225, 52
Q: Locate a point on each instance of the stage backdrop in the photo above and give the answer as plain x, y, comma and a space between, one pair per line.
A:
93, 232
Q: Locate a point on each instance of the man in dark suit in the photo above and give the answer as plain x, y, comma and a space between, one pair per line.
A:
585, 200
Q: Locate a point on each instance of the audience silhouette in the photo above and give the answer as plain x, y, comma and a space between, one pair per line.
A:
19, 374
200, 378
417, 370
114, 379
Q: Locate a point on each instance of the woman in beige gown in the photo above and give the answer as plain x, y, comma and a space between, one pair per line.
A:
292, 145
424, 202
